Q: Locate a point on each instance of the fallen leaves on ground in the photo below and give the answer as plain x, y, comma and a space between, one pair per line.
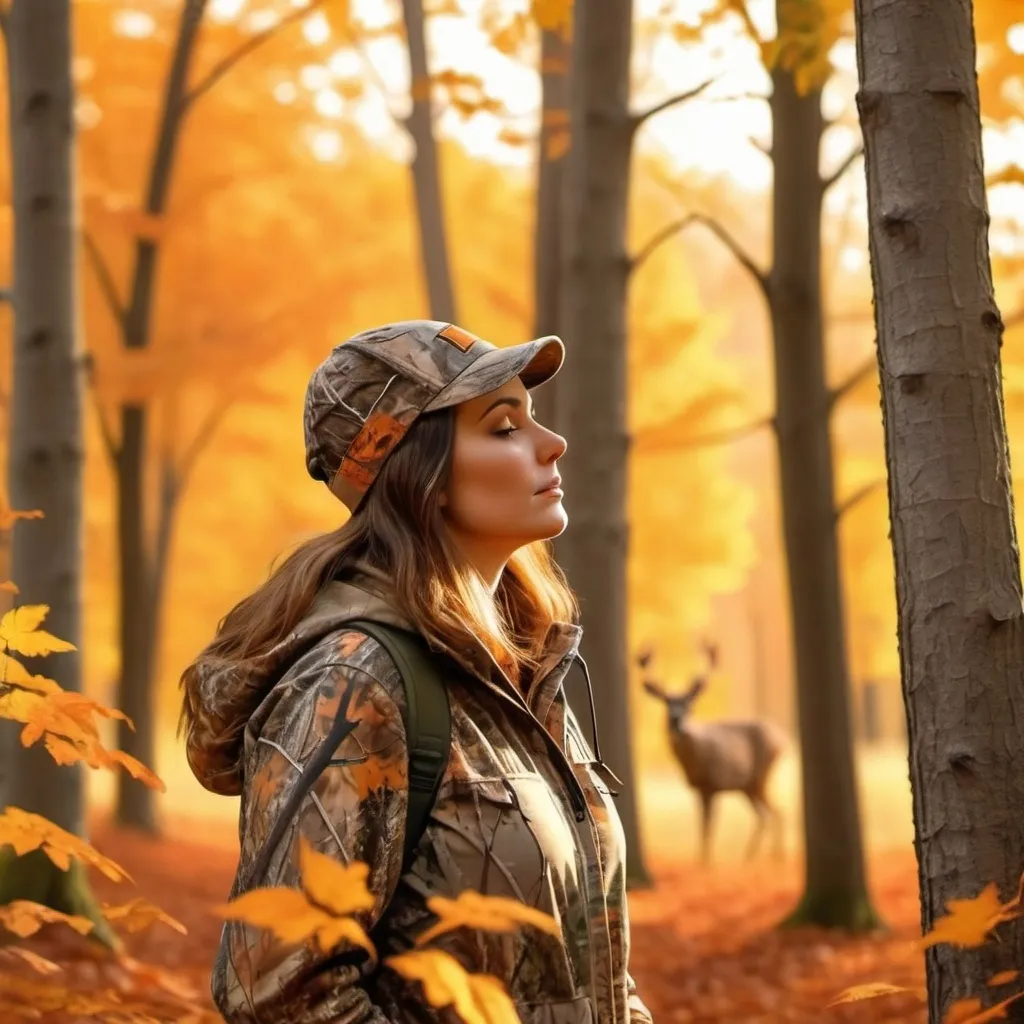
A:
704, 947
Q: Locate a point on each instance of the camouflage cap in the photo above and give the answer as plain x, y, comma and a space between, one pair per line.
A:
366, 394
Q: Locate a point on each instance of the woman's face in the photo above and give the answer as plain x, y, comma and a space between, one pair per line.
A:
503, 490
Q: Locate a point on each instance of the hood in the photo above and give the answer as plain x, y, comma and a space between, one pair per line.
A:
224, 695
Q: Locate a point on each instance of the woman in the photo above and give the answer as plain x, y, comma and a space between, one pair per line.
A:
425, 433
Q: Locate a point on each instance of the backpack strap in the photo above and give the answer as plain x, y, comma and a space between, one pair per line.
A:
427, 722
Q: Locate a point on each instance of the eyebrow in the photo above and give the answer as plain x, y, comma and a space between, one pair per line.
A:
516, 403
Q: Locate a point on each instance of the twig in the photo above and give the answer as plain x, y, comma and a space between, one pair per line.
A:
639, 117
827, 183
223, 66
738, 251
105, 278
106, 432
663, 235
199, 442
843, 389
857, 497
706, 440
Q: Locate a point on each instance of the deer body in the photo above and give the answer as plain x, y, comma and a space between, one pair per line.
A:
722, 757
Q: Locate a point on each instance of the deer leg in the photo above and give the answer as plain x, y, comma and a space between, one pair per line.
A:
760, 806
707, 807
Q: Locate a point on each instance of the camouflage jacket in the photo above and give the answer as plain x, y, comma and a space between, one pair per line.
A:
524, 811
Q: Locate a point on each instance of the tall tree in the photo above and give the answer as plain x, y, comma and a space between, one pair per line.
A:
555, 53
835, 889
46, 443
426, 172
958, 580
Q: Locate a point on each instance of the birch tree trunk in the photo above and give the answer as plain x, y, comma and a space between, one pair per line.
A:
46, 444
426, 174
835, 893
958, 579
555, 54
593, 388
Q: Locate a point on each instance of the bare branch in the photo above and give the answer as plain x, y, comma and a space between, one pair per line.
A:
640, 116
857, 497
736, 97
730, 434
670, 229
199, 442
827, 183
745, 260
105, 278
222, 67
861, 373
106, 432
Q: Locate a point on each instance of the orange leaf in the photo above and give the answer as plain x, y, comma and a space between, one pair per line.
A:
970, 920
24, 918
969, 1011
8, 516
872, 990
484, 913
26, 832
338, 888
38, 963
1002, 978
10, 587
139, 914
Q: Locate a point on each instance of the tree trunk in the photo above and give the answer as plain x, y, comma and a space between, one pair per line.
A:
46, 444
426, 176
594, 386
835, 888
547, 232
136, 804
958, 579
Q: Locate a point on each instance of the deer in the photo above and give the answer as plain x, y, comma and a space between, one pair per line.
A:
722, 756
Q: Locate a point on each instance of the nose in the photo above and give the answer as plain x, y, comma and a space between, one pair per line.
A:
551, 447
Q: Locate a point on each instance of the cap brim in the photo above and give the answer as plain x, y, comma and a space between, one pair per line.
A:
534, 361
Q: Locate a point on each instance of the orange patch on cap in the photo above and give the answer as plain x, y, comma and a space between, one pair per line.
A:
461, 339
369, 448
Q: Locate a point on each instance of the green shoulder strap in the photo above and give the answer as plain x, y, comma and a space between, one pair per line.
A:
427, 721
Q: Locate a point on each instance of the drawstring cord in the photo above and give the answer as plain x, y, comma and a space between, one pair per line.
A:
593, 708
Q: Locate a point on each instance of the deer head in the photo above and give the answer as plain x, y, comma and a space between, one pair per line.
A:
678, 705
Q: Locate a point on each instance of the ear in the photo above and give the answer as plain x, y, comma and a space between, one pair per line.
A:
697, 688
655, 690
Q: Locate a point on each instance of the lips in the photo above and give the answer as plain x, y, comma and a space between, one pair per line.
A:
551, 485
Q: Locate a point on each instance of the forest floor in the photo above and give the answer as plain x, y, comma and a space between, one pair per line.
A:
704, 945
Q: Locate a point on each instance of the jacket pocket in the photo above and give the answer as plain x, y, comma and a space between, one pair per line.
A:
570, 1011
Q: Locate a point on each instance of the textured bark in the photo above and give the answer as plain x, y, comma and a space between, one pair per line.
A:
46, 445
835, 888
958, 579
426, 174
593, 387
139, 587
547, 232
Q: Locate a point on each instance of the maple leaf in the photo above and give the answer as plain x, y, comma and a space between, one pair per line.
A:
26, 832
872, 990
13, 673
476, 998
969, 1011
24, 918
19, 631
338, 888
970, 920
139, 914
289, 915
484, 913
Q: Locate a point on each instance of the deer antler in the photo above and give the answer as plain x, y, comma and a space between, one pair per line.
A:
711, 650
645, 657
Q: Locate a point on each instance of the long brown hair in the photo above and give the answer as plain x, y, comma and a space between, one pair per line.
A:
400, 530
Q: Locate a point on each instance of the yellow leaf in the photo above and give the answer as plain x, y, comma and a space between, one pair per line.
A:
139, 914
340, 929
14, 673
19, 705
24, 918
872, 990
445, 981
338, 888
970, 920
484, 913
1011, 175
34, 960
19, 631
26, 832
